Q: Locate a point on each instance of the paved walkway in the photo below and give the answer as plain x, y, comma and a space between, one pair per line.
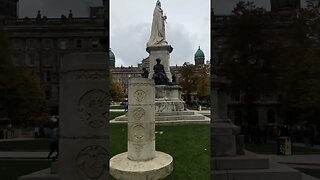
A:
23, 155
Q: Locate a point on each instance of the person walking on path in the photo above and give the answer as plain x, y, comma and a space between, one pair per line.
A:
54, 142
126, 104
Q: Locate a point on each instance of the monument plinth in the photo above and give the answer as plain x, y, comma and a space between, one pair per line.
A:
162, 52
142, 161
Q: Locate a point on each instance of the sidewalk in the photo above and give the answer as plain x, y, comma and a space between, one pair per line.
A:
23, 155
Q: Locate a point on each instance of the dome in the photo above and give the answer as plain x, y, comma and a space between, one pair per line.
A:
199, 55
112, 58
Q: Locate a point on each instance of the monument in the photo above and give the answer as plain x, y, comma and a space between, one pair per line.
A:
169, 106
157, 46
142, 161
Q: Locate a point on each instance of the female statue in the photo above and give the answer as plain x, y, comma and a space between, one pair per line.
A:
157, 36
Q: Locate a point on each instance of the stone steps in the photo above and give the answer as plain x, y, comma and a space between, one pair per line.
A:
254, 174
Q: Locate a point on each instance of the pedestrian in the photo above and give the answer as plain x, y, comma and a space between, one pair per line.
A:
54, 142
126, 104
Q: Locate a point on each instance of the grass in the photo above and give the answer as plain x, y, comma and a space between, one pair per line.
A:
117, 107
29, 145
270, 148
113, 115
189, 145
12, 169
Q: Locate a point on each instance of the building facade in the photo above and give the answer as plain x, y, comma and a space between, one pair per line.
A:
122, 75
266, 112
40, 43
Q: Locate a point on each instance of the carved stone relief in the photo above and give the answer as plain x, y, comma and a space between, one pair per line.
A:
91, 162
93, 108
139, 95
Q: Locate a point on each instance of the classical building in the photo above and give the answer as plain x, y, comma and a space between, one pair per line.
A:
41, 42
123, 74
282, 14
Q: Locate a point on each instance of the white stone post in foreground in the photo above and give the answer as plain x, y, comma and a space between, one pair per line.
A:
142, 161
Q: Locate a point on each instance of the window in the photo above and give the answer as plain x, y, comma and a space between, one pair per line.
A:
47, 76
63, 45
79, 43
48, 93
94, 44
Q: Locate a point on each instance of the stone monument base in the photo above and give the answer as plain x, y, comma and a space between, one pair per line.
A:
157, 168
171, 118
168, 99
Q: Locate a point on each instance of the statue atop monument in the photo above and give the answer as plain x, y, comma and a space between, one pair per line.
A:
158, 36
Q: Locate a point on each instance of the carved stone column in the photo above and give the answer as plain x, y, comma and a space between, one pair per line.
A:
141, 120
142, 161
83, 121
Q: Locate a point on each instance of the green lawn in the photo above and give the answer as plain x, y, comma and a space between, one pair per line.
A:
113, 115
29, 145
189, 145
12, 169
270, 148
117, 107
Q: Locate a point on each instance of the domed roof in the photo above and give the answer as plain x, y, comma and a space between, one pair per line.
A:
199, 55
111, 56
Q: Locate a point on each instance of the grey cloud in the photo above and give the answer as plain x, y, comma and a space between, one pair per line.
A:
129, 43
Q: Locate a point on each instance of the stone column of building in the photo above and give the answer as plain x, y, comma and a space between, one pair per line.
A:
83, 111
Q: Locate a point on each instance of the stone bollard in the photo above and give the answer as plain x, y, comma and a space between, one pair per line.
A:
141, 119
142, 161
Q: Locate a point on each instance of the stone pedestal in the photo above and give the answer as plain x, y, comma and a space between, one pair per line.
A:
83, 111
83, 133
141, 162
168, 99
162, 52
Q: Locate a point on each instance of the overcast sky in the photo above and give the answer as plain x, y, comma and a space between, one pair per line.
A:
188, 27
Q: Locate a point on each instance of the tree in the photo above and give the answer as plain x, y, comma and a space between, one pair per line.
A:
116, 90
203, 83
195, 80
22, 98
251, 61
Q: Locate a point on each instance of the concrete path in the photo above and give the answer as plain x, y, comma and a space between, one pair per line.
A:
24, 155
